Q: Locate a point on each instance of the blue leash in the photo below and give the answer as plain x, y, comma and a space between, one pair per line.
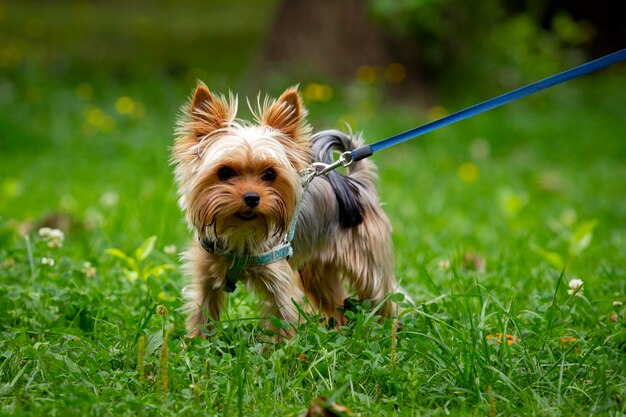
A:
240, 261
366, 151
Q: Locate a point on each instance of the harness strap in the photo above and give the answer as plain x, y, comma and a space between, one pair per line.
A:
239, 261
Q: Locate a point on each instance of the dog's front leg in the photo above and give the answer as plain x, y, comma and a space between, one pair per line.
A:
202, 306
277, 284
205, 295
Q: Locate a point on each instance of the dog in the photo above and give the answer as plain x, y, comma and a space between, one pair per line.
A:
241, 187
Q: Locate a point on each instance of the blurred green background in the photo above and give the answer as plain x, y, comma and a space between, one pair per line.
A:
90, 90
486, 212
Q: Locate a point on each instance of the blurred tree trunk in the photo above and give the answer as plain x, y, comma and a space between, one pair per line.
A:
324, 36
334, 38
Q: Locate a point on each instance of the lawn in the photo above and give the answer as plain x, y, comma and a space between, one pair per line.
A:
493, 218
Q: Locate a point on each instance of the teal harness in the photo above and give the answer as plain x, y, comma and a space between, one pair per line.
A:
239, 261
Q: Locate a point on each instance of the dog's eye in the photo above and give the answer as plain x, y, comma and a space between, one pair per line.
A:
269, 175
226, 173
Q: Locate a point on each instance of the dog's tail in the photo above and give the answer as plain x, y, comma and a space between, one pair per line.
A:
347, 188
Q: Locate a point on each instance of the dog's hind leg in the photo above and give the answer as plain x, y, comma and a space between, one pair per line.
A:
323, 286
366, 254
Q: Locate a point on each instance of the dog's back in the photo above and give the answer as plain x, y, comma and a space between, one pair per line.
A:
347, 188
342, 232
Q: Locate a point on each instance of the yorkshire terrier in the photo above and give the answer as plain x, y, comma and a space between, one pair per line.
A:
241, 187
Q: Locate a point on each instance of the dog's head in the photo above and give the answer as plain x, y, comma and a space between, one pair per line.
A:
240, 182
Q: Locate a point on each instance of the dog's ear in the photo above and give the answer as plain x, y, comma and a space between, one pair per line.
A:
208, 112
287, 114
201, 116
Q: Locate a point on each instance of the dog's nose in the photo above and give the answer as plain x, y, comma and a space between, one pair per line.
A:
251, 199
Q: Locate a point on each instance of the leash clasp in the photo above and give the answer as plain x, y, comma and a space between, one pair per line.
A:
345, 160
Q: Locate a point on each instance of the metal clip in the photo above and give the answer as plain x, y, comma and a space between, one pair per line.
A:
345, 160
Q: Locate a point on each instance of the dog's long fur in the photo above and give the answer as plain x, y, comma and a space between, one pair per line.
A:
342, 234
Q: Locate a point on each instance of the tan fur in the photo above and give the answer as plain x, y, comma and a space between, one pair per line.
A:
288, 116
210, 139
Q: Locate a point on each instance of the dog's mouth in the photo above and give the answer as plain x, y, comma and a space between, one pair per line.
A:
247, 215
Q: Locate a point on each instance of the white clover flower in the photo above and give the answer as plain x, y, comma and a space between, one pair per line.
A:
575, 287
54, 237
170, 249
55, 244
89, 270
575, 283
617, 303
49, 233
47, 261
444, 265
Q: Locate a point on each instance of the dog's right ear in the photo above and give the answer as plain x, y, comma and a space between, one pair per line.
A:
201, 116
208, 112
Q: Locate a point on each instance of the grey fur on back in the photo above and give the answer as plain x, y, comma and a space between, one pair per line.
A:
346, 188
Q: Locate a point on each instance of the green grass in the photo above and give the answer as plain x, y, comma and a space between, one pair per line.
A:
520, 201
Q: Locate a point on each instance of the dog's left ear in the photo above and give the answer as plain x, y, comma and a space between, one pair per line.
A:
287, 115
